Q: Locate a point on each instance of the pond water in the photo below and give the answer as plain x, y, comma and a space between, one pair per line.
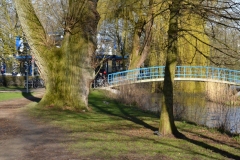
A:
212, 115
215, 116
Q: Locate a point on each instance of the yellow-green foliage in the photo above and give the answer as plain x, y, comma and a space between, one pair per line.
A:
192, 47
159, 39
8, 29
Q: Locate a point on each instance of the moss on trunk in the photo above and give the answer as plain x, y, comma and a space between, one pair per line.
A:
66, 70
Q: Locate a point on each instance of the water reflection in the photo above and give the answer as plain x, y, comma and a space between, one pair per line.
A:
223, 116
197, 110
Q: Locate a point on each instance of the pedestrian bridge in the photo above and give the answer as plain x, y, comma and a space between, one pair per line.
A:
182, 73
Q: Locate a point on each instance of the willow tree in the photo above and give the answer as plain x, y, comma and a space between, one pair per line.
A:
67, 70
166, 124
137, 21
9, 28
210, 14
142, 30
191, 23
192, 45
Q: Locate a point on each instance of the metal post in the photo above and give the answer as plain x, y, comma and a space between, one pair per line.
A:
26, 71
33, 66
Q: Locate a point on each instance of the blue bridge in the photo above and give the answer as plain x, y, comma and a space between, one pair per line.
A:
182, 73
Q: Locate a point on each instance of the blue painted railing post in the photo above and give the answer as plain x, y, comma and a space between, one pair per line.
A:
207, 72
184, 71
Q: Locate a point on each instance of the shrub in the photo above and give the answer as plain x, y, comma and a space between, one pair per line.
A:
6, 80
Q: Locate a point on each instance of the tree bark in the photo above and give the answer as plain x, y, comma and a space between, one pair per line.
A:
167, 125
66, 70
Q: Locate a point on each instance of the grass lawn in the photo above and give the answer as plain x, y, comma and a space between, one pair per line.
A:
13, 95
115, 131
13, 92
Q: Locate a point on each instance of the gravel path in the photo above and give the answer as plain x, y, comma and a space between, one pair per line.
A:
24, 138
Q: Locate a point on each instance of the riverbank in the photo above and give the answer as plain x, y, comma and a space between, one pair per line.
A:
109, 131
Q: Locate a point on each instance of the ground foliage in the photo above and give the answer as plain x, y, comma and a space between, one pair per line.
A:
115, 131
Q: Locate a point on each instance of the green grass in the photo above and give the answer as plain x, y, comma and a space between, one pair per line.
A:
13, 92
237, 138
114, 131
12, 95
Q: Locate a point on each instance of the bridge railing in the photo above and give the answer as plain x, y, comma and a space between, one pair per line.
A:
211, 73
197, 73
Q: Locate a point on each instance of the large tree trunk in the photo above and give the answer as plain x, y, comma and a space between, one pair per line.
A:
166, 125
66, 70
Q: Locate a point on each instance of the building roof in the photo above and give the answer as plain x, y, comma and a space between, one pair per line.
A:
111, 57
25, 57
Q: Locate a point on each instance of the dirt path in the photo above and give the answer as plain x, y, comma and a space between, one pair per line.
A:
23, 138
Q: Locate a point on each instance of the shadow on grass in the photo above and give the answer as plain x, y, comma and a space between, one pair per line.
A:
212, 139
212, 148
135, 119
30, 97
25, 93
208, 146
121, 111
114, 109
125, 115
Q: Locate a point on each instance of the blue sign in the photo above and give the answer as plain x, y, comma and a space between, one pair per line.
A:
19, 44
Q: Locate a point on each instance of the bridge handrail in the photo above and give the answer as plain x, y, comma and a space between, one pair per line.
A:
156, 73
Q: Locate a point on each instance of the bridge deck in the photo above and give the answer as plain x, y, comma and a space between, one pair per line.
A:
182, 73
